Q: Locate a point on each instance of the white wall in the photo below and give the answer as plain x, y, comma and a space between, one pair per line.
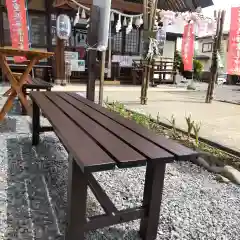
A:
169, 49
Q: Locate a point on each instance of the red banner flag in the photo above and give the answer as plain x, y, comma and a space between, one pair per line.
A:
18, 25
188, 47
233, 56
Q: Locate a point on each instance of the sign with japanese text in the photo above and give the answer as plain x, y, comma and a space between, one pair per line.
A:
78, 65
233, 56
18, 25
188, 47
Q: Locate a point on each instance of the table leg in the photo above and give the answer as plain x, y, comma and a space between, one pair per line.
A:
16, 85
77, 201
35, 124
152, 200
8, 105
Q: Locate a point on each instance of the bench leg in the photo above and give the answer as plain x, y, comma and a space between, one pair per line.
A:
35, 124
77, 201
152, 200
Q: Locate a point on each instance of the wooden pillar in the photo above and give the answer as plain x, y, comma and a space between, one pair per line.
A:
50, 10
102, 73
60, 64
92, 54
145, 49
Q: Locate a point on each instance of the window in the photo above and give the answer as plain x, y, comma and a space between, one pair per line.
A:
117, 43
132, 42
38, 30
207, 47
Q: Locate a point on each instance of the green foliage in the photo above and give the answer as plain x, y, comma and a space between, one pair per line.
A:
197, 67
149, 122
172, 121
190, 125
196, 129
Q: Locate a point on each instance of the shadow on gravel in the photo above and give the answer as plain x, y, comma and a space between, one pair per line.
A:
37, 193
16, 109
8, 125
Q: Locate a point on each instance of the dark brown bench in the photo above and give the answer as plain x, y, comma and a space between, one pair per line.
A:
35, 84
99, 140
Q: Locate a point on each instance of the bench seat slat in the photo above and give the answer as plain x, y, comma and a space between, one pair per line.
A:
76, 141
121, 152
145, 147
38, 83
181, 152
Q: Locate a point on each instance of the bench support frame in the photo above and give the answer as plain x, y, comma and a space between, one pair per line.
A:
36, 127
77, 197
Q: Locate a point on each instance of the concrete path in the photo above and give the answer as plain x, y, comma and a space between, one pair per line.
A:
220, 121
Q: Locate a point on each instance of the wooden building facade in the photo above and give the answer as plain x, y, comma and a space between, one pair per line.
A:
42, 34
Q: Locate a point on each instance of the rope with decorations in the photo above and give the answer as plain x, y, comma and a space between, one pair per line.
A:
166, 17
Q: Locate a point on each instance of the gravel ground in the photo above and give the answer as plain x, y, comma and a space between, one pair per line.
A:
33, 184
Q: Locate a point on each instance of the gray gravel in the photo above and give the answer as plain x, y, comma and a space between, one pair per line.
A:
33, 185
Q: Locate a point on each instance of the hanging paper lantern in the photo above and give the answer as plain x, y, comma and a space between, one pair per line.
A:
83, 15
129, 27
118, 25
141, 20
198, 10
194, 17
137, 22
63, 27
76, 20
161, 37
211, 27
88, 21
125, 22
112, 17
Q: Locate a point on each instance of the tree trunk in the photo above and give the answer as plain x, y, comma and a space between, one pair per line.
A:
216, 48
148, 27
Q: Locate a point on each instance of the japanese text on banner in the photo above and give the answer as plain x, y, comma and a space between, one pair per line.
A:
233, 56
18, 25
188, 47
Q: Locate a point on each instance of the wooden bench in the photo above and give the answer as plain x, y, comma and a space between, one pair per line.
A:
99, 140
164, 68
34, 84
